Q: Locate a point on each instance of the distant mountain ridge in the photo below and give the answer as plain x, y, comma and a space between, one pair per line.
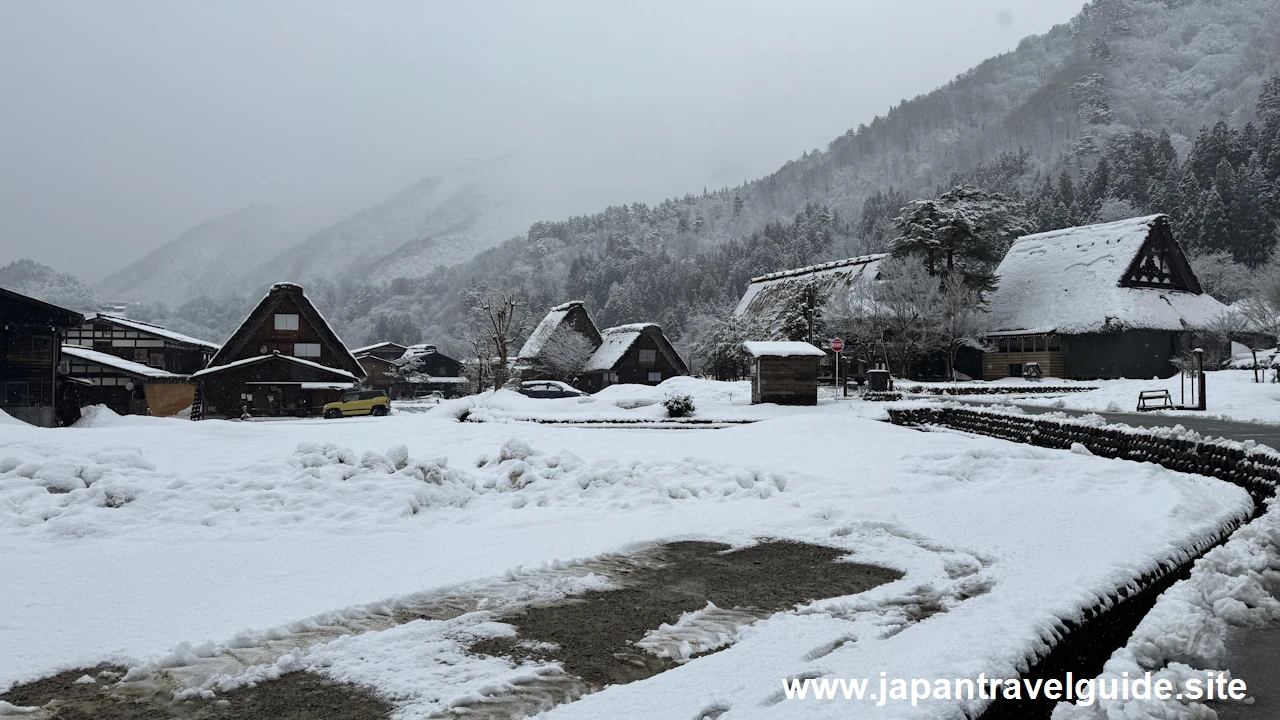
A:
208, 259
433, 222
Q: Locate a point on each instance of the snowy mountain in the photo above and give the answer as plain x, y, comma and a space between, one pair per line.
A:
44, 283
433, 222
208, 259
1050, 109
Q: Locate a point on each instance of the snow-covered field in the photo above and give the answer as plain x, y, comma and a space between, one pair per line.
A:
159, 543
714, 402
1231, 394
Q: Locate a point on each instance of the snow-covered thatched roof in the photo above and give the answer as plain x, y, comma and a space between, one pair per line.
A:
568, 317
1082, 280
617, 341
766, 294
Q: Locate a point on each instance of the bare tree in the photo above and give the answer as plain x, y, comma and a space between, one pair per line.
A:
503, 319
480, 355
906, 298
564, 355
960, 319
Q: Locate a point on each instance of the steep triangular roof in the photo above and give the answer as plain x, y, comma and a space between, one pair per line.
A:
291, 296
39, 311
569, 317
1129, 274
617, 341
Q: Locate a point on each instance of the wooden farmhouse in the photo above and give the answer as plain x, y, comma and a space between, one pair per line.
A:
635, 354
559, 345
31, 387
378, 362
134, 367
423, 369
1103, 301
785, 373
284, 360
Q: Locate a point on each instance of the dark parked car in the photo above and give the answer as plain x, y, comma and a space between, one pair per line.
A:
548, 389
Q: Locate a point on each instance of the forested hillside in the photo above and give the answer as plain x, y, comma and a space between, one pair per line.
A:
42, 282
1117, 111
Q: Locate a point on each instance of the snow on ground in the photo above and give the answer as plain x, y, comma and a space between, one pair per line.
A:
1232, 395
130, 536
1185, 633
714, 401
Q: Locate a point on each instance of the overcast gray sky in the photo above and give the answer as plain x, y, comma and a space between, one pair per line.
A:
126, 122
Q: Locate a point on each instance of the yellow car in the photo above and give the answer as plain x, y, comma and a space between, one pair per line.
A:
359, 402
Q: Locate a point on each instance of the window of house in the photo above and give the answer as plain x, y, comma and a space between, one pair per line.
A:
286, 321
15, 393
648, 357
246, 397
156, 360
655, 377
306, 349
139, 356
41, 342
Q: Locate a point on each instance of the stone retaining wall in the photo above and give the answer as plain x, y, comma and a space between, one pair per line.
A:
1083, 648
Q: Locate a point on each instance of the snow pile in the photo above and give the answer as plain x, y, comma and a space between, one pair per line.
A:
566, 478
64, 494
1185, 633
96, 416
333, 486
716, 401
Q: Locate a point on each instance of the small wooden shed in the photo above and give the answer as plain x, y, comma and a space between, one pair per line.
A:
785, 373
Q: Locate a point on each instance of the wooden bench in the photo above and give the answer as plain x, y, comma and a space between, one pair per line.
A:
1154, 400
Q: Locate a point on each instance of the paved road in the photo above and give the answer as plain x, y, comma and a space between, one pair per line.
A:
1252, 656
1232, 429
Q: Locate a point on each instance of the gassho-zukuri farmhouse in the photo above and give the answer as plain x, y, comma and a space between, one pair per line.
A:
1101, 301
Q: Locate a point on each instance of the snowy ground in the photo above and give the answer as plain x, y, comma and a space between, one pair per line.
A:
1232, 395
714, 402
124, 539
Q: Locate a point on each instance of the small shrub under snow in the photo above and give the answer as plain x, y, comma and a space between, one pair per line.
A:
678, 405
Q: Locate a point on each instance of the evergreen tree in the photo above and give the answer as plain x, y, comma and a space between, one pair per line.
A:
965, 231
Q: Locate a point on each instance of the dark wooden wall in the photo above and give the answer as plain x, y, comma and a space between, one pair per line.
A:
282, 341
221, 391
786, 380
1139, 354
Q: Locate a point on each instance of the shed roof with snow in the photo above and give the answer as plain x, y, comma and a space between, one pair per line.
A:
128, 367
155, 330
781, 349
1125, 275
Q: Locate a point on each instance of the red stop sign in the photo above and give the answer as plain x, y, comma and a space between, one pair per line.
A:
837, 344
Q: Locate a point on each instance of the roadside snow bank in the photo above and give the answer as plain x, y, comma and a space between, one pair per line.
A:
332, 486
1185, 633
